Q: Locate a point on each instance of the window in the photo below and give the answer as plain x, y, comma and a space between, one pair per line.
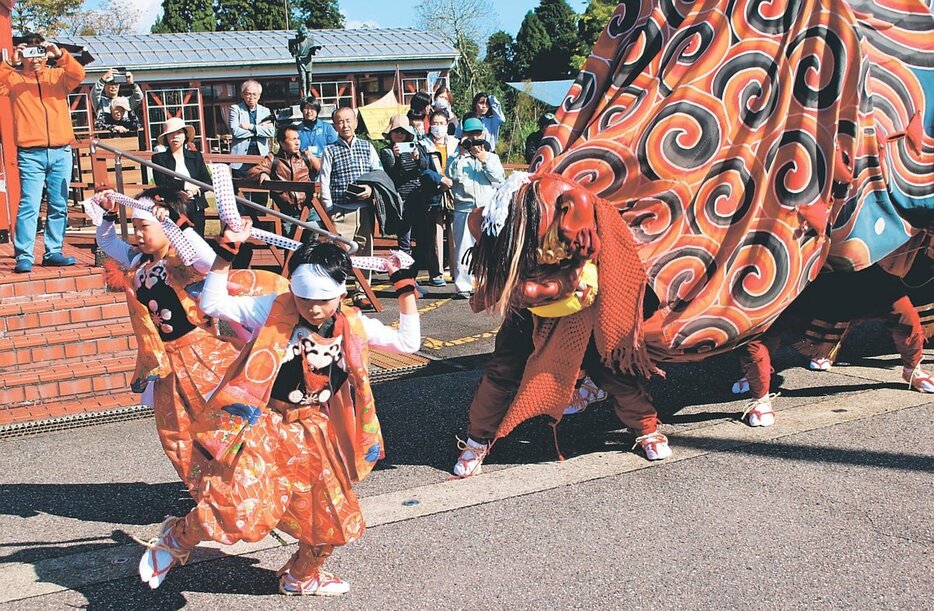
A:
167, 102
80, 108
339, 93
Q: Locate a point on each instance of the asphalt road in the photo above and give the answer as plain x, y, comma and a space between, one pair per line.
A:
829, 508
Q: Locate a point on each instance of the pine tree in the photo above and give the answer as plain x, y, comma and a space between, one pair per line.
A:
186, 16
532, 42
318, 14
241, 15
560, 22
499, 55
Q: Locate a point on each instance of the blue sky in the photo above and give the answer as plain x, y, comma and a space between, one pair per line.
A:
391, 14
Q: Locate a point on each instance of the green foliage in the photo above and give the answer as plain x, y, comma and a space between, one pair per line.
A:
546, 41
186, 16
522, 113
48, 17
240, 15
499, 55
318, 14
589, 27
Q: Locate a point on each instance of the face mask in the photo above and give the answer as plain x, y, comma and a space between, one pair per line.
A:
439, 131
441, 104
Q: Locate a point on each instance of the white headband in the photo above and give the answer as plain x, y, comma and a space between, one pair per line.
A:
143, 215
310, 281
496, 212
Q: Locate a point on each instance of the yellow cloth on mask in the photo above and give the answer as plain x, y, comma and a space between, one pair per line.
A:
576, 301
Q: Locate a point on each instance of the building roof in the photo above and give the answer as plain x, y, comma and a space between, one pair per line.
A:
265, 47
551, 93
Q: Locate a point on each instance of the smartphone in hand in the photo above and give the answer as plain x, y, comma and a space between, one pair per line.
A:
406, 147
355, 191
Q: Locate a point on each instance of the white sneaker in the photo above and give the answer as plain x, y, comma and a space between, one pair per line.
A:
162, 554
740, 386
470, 461
586, 393
655, 446
760, 412
322, 584
918, 379
823, 364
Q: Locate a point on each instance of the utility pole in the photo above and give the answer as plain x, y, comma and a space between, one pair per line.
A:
287, 26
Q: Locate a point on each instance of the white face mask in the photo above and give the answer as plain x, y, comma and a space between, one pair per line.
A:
439, 131
442, 104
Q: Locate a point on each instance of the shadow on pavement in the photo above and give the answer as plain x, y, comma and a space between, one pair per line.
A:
119, 503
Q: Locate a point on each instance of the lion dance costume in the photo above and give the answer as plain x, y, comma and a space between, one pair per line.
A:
717, 157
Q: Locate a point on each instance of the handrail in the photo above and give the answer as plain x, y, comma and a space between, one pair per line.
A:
118, 154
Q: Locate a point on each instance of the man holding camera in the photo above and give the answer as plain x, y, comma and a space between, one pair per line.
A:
107, 89
43, 135
474, 169
288, 165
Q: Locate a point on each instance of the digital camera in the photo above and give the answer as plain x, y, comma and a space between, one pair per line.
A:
31, 52
470, 142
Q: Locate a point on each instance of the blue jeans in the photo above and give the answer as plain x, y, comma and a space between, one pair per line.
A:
38, 168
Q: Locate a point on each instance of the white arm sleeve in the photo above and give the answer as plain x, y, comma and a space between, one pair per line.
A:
251, 312
115, 248
407, 339
204, 254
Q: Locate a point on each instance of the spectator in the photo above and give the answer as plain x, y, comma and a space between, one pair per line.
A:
404, 161
418, 112
107, 89
490, 112
120, 119
474, 169
343, 162
180, 157
314, 135
533, 140
251, 125
43, 134
288, 164
444, 102
440, 147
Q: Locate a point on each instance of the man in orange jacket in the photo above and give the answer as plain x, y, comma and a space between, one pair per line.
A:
43, 134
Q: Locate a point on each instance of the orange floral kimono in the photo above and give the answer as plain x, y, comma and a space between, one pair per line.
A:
184, 358
285, 466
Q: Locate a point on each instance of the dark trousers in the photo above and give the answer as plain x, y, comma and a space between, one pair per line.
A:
503, 373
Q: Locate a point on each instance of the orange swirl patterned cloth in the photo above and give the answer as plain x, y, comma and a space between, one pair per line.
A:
747, 144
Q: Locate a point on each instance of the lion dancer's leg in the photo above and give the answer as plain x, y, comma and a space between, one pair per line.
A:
905, 325
756, 360
501, 377
632, 404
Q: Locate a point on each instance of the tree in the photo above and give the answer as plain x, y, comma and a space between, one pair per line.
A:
499, 55
241, 15
589, 27
186, 16
532, 42
463, 23
113, 17
48, 17
546, 41
318, 14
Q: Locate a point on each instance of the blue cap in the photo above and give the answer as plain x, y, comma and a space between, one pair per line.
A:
472, 124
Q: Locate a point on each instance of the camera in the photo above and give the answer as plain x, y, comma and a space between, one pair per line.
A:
33, 52
471, 142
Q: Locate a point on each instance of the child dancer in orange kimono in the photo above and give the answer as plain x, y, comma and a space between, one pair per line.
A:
295, 423
181, 358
